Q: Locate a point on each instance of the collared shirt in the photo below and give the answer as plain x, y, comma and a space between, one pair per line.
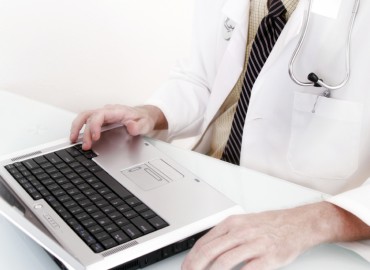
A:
222, 125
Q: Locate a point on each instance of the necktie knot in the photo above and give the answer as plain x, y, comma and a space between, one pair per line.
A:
276, 8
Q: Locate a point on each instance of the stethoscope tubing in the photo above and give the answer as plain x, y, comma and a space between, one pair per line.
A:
347, 57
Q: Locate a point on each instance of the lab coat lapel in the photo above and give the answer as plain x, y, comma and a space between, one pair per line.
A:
233, 59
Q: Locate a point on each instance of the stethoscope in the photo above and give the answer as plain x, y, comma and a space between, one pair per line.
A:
314, 79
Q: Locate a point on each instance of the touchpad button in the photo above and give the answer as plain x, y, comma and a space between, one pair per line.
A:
152, 174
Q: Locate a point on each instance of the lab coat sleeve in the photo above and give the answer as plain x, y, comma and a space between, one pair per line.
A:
357, 202
184, 97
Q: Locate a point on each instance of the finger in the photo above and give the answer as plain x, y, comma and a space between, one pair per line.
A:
202, 256
77, 124
218, 230
260, 263
236, 256
86, 141
96, 121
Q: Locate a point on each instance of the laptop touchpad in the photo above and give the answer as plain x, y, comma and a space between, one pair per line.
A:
152, 174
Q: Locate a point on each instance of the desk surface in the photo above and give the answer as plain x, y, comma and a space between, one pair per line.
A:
28, 123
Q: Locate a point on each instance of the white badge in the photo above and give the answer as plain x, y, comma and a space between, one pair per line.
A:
327, 8
229, 27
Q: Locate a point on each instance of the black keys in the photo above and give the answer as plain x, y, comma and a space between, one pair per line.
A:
99, 209
110, 181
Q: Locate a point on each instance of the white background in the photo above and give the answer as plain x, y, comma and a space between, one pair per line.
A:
81, 54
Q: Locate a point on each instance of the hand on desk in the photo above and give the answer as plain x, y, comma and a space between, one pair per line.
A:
138, 120
270, 240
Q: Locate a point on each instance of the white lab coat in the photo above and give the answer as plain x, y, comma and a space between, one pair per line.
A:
328, 150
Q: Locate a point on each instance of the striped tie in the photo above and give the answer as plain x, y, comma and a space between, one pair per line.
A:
267, 34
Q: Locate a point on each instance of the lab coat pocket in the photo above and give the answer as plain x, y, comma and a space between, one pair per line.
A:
325, 137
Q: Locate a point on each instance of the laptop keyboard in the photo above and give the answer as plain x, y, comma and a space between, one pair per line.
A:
102, 212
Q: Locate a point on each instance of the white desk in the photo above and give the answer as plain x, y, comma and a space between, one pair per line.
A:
26, 123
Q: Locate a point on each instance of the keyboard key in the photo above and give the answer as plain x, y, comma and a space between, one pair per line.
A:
111, 228
103, 191
73, 152
66, 170
141, 208
143, 226
91, 209
102, 236
109, 243
53, 158
120, 237
117, 202
101, 203
122, 221
76, 210
88, 223
148, 214
108, 209
51, 170
157, 222
131, 231
130, 214
70, 204
65, 156
80, 170
40, 160
47, 165
123, 208
82, 216
85, 203
97, 248
88, 163
94, 229
30, 164
56, 175
94, 169
98, 215
104, 221
133, 201
62, 180
115, 215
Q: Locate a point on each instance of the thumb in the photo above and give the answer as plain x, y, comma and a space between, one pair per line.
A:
138, 127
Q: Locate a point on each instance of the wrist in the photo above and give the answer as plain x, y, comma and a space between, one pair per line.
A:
329, 223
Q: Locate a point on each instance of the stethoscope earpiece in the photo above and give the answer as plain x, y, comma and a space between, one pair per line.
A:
314, 78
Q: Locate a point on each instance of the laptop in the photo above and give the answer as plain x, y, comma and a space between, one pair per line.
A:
121, 205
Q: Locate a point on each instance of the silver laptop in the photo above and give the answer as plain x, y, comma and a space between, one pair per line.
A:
122, 205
